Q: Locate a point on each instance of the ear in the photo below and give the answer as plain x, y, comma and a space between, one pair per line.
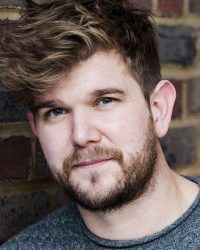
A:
162, 101
32, 122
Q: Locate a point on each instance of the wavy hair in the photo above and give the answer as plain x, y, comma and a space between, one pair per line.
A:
53, 37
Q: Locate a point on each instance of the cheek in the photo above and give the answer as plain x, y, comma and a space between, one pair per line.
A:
127, 130
54, 144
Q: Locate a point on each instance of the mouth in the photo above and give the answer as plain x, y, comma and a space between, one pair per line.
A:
91, 163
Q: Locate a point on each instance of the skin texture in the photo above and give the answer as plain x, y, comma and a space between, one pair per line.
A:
87, 121
96, 130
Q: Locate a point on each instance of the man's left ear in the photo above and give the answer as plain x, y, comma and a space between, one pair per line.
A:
162, 102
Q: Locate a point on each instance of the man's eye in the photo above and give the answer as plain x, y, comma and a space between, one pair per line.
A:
105, 101
55, 112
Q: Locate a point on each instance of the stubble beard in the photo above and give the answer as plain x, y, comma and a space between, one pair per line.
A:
136, 175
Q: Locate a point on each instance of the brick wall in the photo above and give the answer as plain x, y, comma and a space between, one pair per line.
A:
27, 191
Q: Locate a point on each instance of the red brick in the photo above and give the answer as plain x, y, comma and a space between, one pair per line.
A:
177, 111
15, 157
193, 103
194, 6
171, 7
41, 169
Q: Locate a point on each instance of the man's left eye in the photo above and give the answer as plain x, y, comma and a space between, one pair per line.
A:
105, 101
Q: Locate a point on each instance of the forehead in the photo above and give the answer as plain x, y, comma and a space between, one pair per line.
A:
103, 70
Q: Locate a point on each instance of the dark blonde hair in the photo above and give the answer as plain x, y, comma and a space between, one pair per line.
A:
53, 37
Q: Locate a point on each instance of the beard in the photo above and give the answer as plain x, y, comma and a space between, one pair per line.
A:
136, 175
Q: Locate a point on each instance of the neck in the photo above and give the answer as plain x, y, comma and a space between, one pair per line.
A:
150, 213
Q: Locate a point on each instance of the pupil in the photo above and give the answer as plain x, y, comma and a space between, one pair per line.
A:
107, 100
57, 112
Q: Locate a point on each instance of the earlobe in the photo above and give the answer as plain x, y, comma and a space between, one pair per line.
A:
162, 102
32, 122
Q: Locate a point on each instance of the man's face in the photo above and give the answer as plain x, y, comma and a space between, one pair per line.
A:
97, 134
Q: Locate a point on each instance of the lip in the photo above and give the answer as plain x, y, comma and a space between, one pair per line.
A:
91, 163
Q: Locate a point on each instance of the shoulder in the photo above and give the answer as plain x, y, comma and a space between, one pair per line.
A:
56, 231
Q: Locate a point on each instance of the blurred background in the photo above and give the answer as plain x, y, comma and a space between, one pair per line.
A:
27, 191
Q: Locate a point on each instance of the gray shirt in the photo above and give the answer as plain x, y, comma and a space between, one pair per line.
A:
65, 229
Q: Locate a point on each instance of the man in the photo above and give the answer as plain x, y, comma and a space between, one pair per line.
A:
90, 73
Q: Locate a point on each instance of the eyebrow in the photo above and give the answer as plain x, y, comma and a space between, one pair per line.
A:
100, 92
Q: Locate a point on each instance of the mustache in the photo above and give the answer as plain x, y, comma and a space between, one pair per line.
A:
95, 153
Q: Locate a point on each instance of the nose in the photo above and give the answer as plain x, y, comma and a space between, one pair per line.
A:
85, 130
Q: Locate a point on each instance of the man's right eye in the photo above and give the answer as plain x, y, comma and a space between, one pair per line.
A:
55, 112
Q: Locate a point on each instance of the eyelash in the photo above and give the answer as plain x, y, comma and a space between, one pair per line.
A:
105, 98
48, 113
